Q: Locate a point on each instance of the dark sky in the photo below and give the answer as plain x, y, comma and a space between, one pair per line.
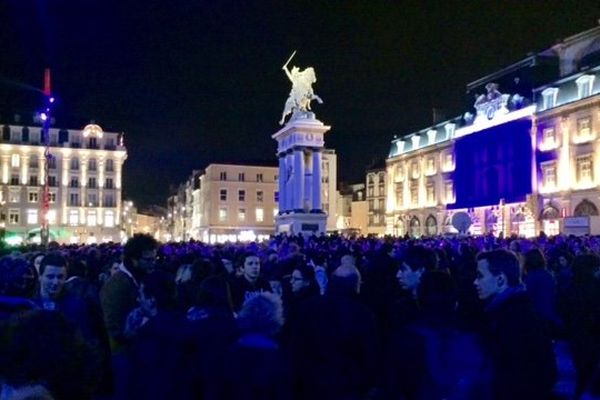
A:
193, 82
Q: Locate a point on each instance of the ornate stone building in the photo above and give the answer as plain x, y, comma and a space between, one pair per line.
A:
525, 159
84, 177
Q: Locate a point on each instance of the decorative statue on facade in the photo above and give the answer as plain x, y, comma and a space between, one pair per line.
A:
298, 103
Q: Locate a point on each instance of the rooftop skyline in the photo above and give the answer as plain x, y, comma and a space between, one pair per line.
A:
194, 83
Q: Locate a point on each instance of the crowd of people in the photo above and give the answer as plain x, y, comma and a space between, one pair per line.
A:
320, 317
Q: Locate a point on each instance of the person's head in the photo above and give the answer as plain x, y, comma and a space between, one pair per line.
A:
303, 277
417, 260
261, 314
345, 280
348, 260
436, 293
53, 274
497, 270
140, 253
250, 265
214, 291
534, 260
157, 291
586, 267
18, 277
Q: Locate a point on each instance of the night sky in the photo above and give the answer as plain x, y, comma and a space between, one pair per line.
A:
194, 82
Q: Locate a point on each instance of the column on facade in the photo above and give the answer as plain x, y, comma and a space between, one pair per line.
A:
316, 179
281, 181
299, 179
118, 166
289, 182
83, 166
565, 172
66, 162
101, 186
5, 168
24, 168
308, 166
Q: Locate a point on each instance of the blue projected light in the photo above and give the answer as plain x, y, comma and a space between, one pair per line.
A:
493, 164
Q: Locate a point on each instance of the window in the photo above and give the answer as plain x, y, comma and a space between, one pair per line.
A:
13, 216
109, 218
33, 162
242, 214
584, 85
241, 195
414, 194
110, 165
73, 217
92, 200
259, 196
14, 196
109, 183
93, 143
381, 204
52, 163
430, 166
449, 191
275, 212
15, 161
371, 205
259, 177
584, 169
52, 180
415, 170
74, 163
399, 173
74, 199
241, 177
33, 197
223, 195
549, 97
33, 180
91, 218
92, 182
32, 216
222, 214
430, 190
549, 175
381, 188
63, 136
548, 139
399, 196
276, 196
74, 182
371, 191
584, 129
109, 200
448, 162
223, 176
92, 164
14, 180
52, 197
260, 215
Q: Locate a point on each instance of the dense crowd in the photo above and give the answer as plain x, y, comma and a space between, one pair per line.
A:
321, 317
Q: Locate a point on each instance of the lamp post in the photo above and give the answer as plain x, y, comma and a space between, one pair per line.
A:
46, 116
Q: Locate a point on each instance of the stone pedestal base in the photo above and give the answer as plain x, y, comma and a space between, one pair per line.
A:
299, 222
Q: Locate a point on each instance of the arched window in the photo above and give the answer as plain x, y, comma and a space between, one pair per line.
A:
550, 212
415, 227
431, 226
585, 208
74, 163
400, 228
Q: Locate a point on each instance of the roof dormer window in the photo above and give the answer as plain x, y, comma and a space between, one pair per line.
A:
584, 85
549, 96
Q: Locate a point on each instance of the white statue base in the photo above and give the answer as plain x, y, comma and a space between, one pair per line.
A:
306, 223
299, 148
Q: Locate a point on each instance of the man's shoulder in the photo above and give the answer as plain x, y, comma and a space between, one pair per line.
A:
119, 281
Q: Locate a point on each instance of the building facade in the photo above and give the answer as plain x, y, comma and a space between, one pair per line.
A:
84, 178
520, 162
376, 195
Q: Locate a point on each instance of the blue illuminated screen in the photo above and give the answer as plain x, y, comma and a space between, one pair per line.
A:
493, 164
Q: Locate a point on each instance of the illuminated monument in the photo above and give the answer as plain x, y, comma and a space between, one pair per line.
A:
300, 146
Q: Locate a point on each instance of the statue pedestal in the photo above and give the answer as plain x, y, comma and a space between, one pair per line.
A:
299, 148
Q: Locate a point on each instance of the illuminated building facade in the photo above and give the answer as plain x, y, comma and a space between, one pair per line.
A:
525, 160
84, 180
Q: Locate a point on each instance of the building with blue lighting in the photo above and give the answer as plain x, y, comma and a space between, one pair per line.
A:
524, 159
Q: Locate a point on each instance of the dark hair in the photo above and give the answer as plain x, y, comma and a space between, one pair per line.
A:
501, 261
214, 291
54, 259
160, 285
585, 266
139, 243
13, 281
417, 257
437, 292
534, 259
242, 258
